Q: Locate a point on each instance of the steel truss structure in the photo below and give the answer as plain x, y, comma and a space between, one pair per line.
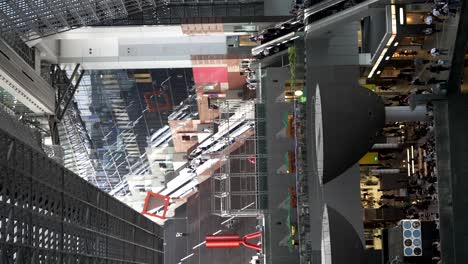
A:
65, 88
50, 215
25, 20
235, 185
33, 19
194, 11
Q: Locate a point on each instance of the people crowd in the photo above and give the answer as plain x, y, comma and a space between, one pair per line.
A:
414, 195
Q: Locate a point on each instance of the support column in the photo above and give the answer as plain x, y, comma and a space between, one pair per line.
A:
404, 113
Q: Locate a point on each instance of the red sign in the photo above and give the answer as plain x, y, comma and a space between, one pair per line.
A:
203, 75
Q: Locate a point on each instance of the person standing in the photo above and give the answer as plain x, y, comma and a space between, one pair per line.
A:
420, 61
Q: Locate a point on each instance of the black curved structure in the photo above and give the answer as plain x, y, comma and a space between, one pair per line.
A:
346, 246
351, 117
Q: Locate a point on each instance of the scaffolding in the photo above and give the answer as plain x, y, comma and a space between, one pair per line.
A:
235, 183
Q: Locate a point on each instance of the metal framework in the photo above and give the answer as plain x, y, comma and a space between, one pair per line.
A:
235, 184
50, 215
22, 21
33, 19
65, 88
25, 20
193, 11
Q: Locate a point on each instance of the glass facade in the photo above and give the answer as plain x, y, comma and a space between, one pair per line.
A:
119, 111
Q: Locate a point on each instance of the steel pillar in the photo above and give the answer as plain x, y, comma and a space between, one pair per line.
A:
405, 113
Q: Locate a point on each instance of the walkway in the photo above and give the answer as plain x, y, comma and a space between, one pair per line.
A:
451, 125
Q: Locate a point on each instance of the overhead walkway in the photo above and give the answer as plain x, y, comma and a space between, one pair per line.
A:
320, 6
321, 19
20, 80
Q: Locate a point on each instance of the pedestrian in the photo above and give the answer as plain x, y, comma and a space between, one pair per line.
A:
437, 68
441, 62
440, 5
431, 189
387, 157
405, 76
295, 10
408, 52
385, 88
429, 19
451, 8
417, 81
387, 196
429, 31
407, 70
420, 61
435, 81
437, 52
252, 86
438, 12
428, 158
180, 234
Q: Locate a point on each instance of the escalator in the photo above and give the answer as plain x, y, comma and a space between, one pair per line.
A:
330, 11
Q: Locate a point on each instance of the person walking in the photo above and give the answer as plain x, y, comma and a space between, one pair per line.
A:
417, 81
437, 52
385, 87
429, 19
408, 53
437, 68
420, 61
435, 81
408, 70
387, 196
429, 31
438, 12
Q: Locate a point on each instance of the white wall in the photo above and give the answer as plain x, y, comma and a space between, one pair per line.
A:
135, 47
278, 7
